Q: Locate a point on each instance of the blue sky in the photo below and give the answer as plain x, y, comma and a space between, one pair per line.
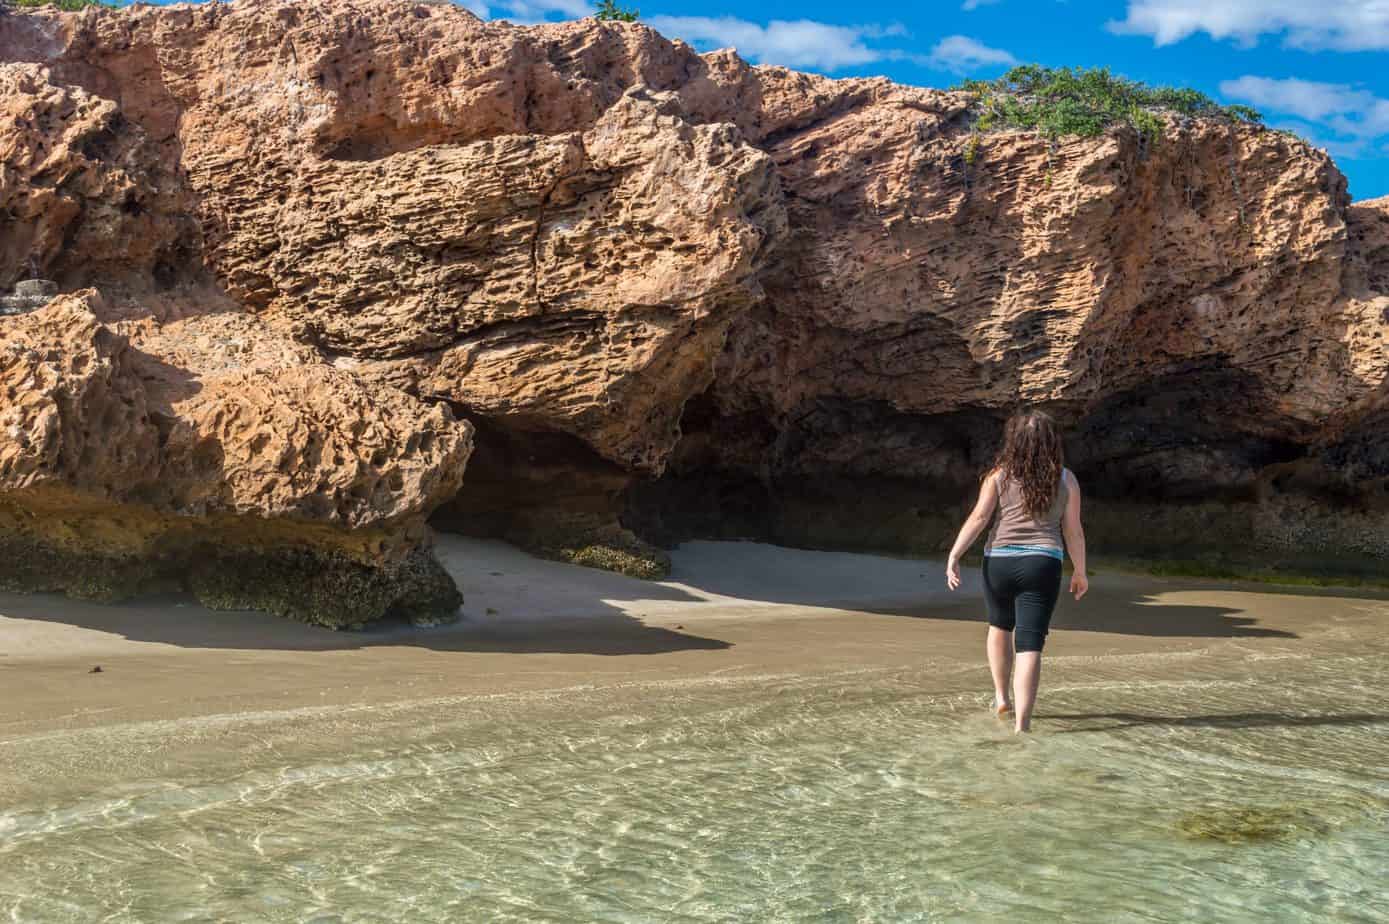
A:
1318, 67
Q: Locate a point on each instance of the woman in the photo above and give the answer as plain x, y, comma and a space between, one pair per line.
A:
1038, 504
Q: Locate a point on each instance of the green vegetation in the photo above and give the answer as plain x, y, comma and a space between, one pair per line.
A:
1064, 101
608, 10
68, 5
972, 149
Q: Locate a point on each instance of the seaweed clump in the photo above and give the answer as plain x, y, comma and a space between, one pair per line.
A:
1248, 825
606, 546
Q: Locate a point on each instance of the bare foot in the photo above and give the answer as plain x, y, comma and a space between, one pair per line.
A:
1002, 707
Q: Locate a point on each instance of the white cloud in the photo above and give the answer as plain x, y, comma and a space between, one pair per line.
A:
1305, 99
529, 12
1344, 120
820, 46
961, 54
796, 43
976, 4
1344, 25
799, 43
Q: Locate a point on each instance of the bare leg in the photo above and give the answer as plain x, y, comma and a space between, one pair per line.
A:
1000, 648
1025, 681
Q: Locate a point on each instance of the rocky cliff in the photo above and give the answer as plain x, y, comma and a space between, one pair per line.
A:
326, 271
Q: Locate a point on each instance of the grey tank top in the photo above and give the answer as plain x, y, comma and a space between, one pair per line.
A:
1016, 532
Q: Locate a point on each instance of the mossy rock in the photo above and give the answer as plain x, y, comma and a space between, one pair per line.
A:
594, 543
425, 593
1249, 824
328, 590
309, 585
31, 566
651, 565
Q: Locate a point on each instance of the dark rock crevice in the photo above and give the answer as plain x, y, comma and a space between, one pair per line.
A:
1178, 469
550, 493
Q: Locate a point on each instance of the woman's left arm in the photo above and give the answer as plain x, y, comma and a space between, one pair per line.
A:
974, 525
1074, 535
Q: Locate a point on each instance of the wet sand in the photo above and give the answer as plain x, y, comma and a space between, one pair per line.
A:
730, 609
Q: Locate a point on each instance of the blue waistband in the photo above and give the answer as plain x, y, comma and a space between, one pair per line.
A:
1008, 551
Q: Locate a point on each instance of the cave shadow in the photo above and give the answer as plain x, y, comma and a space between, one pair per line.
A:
1234, 720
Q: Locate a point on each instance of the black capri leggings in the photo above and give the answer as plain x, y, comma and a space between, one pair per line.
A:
1021, 591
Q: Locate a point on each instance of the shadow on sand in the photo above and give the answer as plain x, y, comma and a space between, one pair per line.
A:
913, 587
1143, 614
513, 603
182, 622
518, 603
1131, 613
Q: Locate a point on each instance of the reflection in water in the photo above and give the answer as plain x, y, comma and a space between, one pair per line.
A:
1155, 790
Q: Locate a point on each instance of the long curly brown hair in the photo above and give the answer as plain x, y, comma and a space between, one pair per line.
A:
1033, 456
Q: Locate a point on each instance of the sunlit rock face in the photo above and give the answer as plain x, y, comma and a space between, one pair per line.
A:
298, 259
1207, 315
154, 432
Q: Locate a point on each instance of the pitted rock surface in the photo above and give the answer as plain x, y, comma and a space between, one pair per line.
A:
322, 238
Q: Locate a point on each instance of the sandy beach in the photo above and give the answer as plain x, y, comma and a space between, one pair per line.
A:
729, 608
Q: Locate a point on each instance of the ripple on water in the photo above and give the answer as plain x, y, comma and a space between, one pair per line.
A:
852, 797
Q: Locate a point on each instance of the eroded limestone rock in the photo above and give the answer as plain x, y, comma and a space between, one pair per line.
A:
212, 454
735, 300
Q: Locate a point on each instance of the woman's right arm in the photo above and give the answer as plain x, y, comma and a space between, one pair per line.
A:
1075, 538
975, 524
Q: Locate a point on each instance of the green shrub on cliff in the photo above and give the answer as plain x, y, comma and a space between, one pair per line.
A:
68, 5
608, 10
1066, 101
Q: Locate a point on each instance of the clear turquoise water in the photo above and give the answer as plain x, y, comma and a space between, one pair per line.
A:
849, 797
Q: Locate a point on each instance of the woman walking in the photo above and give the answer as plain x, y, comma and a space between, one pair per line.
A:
1038, 504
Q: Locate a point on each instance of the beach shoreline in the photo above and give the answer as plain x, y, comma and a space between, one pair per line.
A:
528, 624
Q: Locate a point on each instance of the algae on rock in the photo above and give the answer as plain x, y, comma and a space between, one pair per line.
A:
1249, 824
327, 590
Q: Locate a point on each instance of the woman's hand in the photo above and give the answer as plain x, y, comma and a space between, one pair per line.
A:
1079, 583
974, 525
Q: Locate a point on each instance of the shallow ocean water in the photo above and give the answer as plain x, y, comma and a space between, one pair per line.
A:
1203, 786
